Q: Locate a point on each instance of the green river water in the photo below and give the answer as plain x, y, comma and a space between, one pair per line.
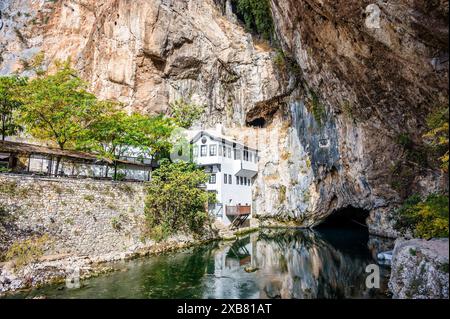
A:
329, 263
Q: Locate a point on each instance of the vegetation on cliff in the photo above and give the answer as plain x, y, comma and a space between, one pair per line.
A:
257, 16
437, 136
424, 218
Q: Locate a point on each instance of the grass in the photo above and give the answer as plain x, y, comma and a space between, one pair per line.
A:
89, 198
26, 251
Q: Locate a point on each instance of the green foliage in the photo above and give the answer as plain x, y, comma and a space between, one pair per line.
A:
175, 202
58, 107
437, 135
185, 114
114, 132
26, 251
10, 104
424, 218
257, 16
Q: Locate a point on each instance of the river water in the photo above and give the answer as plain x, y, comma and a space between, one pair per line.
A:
271, 263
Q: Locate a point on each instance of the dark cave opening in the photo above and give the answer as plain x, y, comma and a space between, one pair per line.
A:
346, 230
348, 217
258, 122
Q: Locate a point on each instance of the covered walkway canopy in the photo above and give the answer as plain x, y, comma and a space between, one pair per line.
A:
38, 159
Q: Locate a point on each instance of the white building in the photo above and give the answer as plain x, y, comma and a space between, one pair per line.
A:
232, 167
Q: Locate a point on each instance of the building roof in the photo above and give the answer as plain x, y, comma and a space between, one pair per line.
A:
216, 136
24, 148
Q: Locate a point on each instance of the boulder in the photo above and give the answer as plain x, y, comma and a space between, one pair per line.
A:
420, 269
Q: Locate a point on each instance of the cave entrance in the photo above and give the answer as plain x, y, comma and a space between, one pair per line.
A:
348, 217
258, 122
347, 231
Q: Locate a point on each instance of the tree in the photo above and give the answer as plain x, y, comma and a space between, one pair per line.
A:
175, 201
9, 104
58, 107
115, 133
185, 114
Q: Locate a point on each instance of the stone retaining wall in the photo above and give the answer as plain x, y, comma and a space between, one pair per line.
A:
80, 217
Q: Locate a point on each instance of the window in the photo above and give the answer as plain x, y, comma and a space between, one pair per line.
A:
246, 156
237, 180
229, 152
220, 150
251, 156
241, 180
203, 150
245, 181
212, 150
212, 178
225, 178
256, 157
195, 151
237, 154
230, 180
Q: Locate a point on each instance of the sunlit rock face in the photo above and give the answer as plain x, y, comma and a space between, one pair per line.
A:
376, 70
147, 53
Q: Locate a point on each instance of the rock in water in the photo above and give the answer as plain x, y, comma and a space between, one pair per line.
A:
420, 269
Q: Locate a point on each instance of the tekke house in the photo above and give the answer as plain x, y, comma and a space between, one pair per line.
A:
232, 167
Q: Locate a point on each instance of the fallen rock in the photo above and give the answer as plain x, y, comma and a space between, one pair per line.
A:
420, 269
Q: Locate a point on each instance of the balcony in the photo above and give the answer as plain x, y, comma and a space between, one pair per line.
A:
237, 210
246, 169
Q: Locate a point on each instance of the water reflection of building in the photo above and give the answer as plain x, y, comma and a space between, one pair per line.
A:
230, 279
297, 264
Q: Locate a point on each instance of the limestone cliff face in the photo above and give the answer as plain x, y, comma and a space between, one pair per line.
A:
377, 69
327, 125
146, 53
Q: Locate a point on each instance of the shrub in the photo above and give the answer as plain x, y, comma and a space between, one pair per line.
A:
437, 136
424, 218
175, 202
26, 251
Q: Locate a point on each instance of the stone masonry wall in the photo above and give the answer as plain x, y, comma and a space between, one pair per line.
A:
80, 217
